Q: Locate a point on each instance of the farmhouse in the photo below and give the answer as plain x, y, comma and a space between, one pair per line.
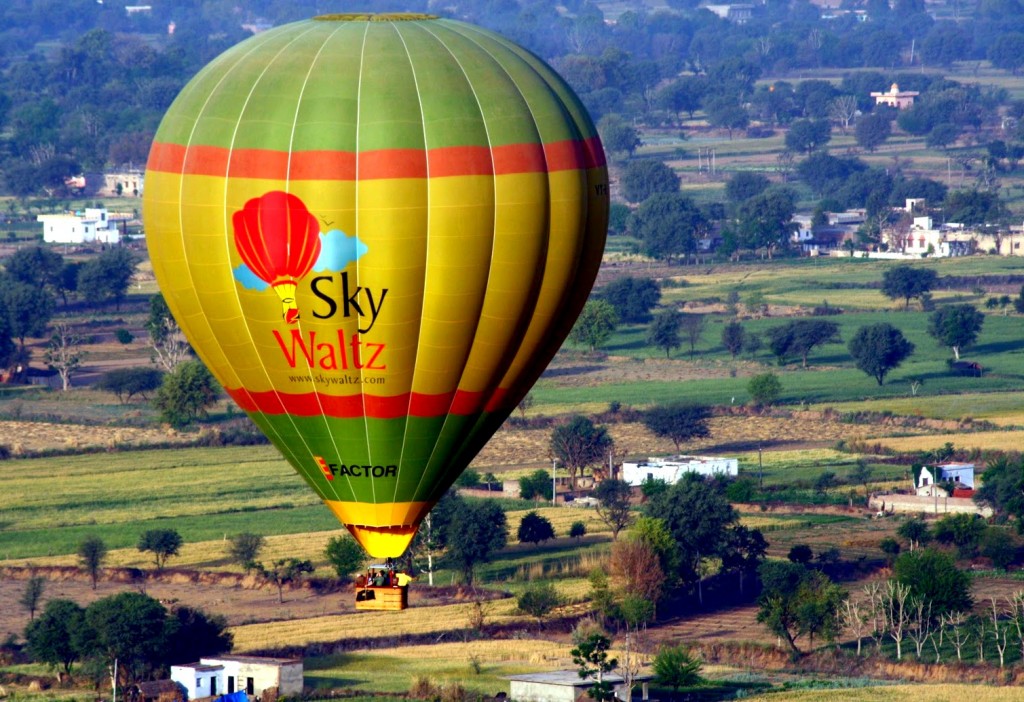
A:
566, 686
928, 480
673, 468
900, 99
94, 225
254, 675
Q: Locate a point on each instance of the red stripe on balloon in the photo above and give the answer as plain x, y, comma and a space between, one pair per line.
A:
311, 404
374, 165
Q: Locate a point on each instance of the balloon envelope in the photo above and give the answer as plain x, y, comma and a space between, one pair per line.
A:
429, 203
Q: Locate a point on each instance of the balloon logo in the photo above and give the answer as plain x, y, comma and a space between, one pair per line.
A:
279, 241
429, 203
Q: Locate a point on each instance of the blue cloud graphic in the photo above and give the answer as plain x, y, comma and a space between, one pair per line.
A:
337, 250
248, 279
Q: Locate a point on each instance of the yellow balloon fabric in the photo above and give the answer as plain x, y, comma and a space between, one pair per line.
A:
376, 231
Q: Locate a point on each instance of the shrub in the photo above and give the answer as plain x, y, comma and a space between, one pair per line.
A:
124, 336
577, 530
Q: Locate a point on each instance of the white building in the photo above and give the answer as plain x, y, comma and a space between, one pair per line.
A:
960, 475
566, 686
253, 675
94, 225
673, 468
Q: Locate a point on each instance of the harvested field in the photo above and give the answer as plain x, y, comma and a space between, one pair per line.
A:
986, 440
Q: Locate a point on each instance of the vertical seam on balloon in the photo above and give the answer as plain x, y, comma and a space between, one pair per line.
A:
423, 297
181, 186
181, 175
287, 180
490, 267
470, 33
359, 113
245, 323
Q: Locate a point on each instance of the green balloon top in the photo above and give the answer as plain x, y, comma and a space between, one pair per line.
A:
365, 82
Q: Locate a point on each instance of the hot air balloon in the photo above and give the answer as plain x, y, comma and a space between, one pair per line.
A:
429, 203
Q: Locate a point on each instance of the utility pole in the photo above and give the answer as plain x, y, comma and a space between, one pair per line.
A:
554, 486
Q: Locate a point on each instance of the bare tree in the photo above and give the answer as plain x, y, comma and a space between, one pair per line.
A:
920, 629
1017, 617
636, 570
842, 110
876, 604
958, 632
855, 619
979, 635
170, 348
64, 354
1000, 631
897, 613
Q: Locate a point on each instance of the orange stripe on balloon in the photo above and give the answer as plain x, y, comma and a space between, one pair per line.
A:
311, 404
374, 165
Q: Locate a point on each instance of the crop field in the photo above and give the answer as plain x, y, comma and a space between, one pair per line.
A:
896, 693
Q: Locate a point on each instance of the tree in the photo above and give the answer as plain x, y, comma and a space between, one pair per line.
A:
185, 393
878, 349
475, 532
130, 628
28, 309
667, 225
169, 346
107, 277
126, 383
800, 337
916, 532
733, 337
162, 543
53, 638
999, 546
579, 443
842, 110
63, 354
613, 504
191, 633
807, 135
907, 283
664, 331
871, 130
764, 389
344, 555
591, 658
679, 422
692, 326
962, 530
284, 571
933, 576
632, 298
636, 570
536, 486
32, 594
38, 267
245, 548
765, 221
577, 530
675, 667
796, 601
744, 185
91, 554
1007, 51
618, 136
595, 324
535, 528
726, 112
800, 553
699, 517
744, 551
642, 178
538, 599
1002, 488
956, 326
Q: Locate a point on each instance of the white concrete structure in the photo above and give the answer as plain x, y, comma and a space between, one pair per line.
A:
961, 475
566, 686
673, 468
94, 225
252, 675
